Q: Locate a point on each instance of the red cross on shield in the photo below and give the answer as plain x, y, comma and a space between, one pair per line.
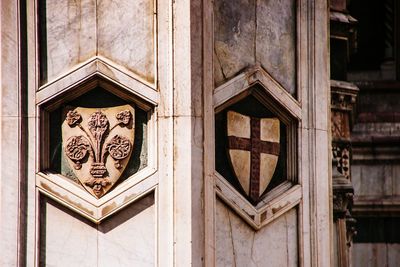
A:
253, 146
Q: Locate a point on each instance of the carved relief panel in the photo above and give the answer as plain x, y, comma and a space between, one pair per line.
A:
96, 136
256, 147
98, 144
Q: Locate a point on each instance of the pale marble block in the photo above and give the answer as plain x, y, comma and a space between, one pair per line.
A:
276, 40
68, 35
128, 238
237, 244
234, 33
9, 190
249, 32
66, 238
126, 34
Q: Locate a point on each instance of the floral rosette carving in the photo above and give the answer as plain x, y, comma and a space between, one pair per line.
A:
119, 148
76, 149
124, 117
73, 117
94, 143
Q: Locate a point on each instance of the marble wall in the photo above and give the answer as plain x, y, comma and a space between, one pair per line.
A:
249, 32
237, 244
158, 54
127, 238
72, 32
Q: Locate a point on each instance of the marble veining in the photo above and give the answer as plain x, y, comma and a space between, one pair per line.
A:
125, 34
68, 35
237, 244
249, 32
72, 32
127, 238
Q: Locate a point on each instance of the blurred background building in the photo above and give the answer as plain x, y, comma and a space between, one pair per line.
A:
365, 96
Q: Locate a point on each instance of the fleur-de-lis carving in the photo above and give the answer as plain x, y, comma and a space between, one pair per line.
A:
93, 144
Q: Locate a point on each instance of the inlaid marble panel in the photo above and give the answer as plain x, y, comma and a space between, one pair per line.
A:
276, 40
67, 35
249, 32
125, 34
71, 32
237, 244
66, 238
128, 238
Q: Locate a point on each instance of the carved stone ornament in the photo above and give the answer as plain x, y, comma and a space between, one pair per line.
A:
97, 144
253, 148
341, 158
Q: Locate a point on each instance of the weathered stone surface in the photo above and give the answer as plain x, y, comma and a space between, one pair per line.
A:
60, 231
97, 144
234, 33
129, 237
126, 239
276, 40
126, 34
237, 244
249, 32
68, 35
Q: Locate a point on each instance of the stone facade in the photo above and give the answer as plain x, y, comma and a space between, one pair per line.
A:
83, 184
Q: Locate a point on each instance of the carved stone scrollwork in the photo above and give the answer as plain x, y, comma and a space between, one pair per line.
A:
119, 148
94, 142
350, 228
342, 202
76, 149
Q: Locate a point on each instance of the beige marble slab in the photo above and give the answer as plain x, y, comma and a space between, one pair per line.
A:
69, 35
128, 238
126, 35
237, 244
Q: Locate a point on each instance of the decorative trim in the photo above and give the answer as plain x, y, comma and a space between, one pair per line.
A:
99, 67
237, 88
275, 203
343, 95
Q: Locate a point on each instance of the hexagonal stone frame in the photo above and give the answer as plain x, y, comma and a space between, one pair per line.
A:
96, 72
289, 193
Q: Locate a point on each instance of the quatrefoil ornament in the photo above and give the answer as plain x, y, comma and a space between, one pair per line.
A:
98, 143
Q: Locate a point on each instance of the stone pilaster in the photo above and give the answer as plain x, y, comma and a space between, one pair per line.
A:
343, 98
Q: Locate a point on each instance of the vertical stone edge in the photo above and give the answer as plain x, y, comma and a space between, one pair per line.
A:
315, 138
188, 134
209, 152
10, 135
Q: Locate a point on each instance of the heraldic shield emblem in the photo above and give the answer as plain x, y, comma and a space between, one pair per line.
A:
97, 143
253, 148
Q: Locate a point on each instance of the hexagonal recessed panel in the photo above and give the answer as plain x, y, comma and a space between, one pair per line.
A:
256, 146
96, 147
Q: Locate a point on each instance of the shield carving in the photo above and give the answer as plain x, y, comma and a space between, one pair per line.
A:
97, 143
253, 148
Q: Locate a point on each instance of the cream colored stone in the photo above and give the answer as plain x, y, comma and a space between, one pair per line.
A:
238, 124
270, 130
126, 35
239, 245
70, 35
241, 165
66, 239
128, 238
267, 169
